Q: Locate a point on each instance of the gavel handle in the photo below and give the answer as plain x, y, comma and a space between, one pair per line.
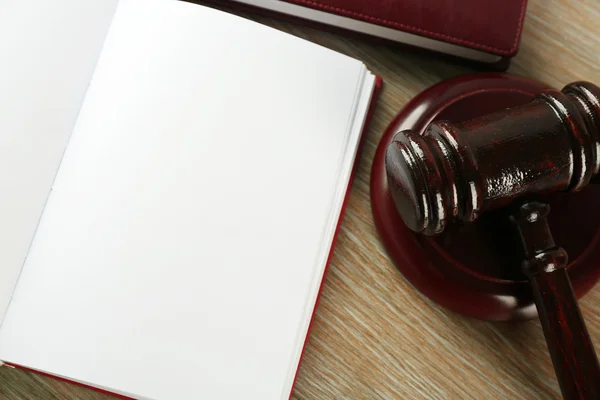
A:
571, 349
569, 343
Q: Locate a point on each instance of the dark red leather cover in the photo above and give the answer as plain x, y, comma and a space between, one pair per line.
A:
492, 26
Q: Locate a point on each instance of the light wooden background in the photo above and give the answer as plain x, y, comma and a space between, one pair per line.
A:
374, 337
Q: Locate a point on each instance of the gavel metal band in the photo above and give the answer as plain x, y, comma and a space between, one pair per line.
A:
457, 171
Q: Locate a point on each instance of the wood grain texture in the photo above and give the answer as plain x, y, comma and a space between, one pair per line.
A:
374, 337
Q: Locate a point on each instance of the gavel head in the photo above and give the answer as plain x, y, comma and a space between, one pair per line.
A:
455, 172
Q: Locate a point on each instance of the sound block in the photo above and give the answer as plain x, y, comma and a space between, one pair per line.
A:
475, 269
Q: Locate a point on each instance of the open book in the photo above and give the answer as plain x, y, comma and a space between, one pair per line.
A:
172, 178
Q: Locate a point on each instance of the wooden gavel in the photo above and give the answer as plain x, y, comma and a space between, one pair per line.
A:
455, 172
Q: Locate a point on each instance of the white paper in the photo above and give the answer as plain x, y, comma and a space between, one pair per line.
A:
180, 251
48, 52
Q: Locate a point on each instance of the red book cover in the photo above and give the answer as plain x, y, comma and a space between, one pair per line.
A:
484, 31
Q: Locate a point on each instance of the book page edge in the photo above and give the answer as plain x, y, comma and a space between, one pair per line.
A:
364, 108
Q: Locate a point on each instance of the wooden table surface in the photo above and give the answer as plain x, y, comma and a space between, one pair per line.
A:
374, 336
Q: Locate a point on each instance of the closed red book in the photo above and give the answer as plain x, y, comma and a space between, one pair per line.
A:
486, 31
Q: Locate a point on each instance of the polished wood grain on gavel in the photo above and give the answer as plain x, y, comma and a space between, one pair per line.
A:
455, 172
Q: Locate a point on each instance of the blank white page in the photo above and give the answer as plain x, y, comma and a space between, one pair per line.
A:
48, 51
188, 224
